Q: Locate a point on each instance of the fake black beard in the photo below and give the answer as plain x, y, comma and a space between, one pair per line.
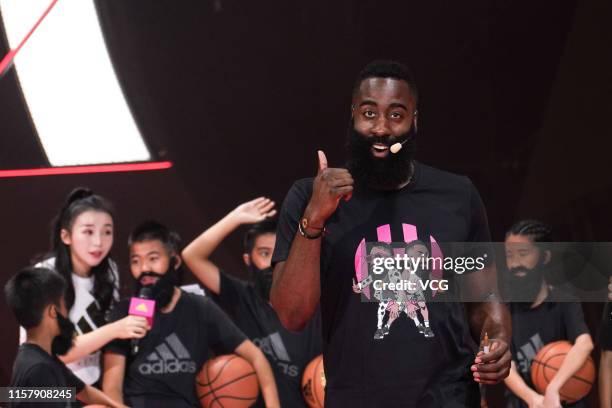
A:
62, 343
262, 280
379, 173
523, 291
162, 290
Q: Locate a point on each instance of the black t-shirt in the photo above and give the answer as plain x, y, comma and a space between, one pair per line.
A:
404, 368
287, 352
534, 328
34, 367
605, 336
172, 353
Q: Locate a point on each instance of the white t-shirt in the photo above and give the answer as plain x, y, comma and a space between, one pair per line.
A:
86, 316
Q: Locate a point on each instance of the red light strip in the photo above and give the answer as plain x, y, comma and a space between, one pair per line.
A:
103, 168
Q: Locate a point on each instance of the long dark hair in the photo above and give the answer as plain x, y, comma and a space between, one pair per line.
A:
78, 201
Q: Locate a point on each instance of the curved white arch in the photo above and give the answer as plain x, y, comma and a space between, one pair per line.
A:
69, 84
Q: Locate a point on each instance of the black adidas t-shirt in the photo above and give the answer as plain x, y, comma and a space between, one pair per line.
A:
404, 368
34, 367
605, 337
170, 356
287, 352
534, 328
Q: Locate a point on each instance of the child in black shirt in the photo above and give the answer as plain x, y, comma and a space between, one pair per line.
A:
36, 297
539, 318
247, 302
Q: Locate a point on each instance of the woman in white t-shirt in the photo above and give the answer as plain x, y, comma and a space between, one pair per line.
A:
82, 239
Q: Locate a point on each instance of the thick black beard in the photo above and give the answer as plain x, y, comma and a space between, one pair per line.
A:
262, 280
162, 290
523, 291
379, 173
62, 343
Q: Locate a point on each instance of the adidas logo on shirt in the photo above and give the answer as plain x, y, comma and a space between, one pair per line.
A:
170, 357
273, 346
527, 352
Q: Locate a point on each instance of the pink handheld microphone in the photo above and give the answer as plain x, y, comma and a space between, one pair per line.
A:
143, 306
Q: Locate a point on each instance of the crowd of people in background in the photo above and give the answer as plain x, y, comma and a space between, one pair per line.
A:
75, 289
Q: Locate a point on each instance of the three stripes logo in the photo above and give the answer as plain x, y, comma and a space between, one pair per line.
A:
91, 319
274, 347
527, 352
170, 357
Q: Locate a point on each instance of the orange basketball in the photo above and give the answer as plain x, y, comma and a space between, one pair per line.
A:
545, 366
313, 383
227, 381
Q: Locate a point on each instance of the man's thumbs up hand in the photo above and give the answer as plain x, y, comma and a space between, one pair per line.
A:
322, 161
329, 186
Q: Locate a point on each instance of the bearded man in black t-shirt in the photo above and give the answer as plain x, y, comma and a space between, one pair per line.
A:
539, 318
384, 195
247, 301
162, 370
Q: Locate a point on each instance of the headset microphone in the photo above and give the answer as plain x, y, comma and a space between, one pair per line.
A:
396, 147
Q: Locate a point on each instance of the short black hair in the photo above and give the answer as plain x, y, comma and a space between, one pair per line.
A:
30, 291
387, 69
152, 230
267, 226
